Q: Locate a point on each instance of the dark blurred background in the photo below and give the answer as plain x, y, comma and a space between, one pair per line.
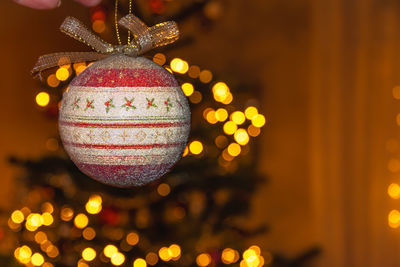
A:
324, 74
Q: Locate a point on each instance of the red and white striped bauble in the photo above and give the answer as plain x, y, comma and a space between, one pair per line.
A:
124, 121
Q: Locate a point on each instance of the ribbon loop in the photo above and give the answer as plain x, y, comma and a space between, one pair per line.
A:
145, 39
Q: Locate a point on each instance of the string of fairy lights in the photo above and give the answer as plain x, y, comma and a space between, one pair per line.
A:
393, 190
36, 224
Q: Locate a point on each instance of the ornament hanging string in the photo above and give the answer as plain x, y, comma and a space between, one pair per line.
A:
144, 39
116, 21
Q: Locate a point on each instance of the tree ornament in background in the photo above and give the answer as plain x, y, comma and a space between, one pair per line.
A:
124, 120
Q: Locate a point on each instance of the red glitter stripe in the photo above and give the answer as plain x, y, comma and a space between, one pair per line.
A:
125, 78
123, 125
133, 146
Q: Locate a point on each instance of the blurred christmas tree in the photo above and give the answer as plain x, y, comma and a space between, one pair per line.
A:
192, 217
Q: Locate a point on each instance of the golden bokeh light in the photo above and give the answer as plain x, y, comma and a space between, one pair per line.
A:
139, 262
37, 259
394, 191
221, 141
253, 130
40, 237
66, 214
42, 99
203, 259
89, 254
211, 117
110, 250
250, 112
238, 117
258, 120
17, 216
163, 189
396, 92
52, 251
185, 152
47, 264
194, 71
187, 89
159, 58
164, 255
221, 114
230, 127
234, 149
241, 137
89, 233
151, 258
81, 221
196, 147
394, 165
99, 26
220, 91
62, 74
229, 256
93, 206
47, 207
180, 66
132, 238
394, 219
174, 250
52, 80
118, 259
47, 219
228, 99
196, 97
205, 76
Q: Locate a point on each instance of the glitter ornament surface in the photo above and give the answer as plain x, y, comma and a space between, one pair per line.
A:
124, 121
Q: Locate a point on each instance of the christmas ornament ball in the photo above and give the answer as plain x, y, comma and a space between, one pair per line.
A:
124, 121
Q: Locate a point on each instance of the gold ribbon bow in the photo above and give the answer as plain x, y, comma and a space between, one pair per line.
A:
144, 39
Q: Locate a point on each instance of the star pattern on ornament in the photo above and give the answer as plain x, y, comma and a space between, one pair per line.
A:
124, 135
105, 136
90, 135
76, 136
156, 135
140, 136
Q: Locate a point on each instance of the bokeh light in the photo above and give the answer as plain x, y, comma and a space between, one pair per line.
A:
62, 74
250, 112
37, 259
221, 114
205, 76
163, 189
110, 250
88, 254
164, 255
194, 71
203, 259
132, 238
187, 89
17, 216
394, 191
196, 97
99, 26
253, 130
196, 147
52, 80
394, 219
221, 141
94, 204
211, 117
238, 117
234, 149
81, 221
178, 65
230, 127
139, 263
66, 214
151, 258
258, 120
118, 259
159, 58
42, 99
241, 137
89, 233
229, 256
